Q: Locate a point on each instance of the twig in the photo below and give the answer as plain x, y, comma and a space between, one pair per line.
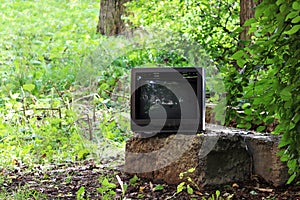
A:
90, 127
24, 105
61, 96
85, 97
263, 189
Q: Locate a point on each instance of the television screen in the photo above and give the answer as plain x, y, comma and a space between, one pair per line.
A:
167, 99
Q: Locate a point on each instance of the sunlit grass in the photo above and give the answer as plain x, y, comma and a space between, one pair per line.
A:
43, 44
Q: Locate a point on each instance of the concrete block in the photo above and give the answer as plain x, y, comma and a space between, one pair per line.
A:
219, 156
266, 163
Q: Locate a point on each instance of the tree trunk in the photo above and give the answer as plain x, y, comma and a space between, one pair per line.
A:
247, 11
110, 22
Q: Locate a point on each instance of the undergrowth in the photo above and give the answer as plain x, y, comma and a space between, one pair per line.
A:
42, 46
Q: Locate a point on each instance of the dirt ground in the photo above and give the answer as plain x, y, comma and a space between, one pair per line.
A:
63, 181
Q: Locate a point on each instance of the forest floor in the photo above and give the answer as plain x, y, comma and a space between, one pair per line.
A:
85, 180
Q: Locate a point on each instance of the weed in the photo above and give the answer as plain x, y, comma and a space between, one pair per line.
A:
107, 188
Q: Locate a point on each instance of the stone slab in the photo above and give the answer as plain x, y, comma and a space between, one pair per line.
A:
210, 154
221, 155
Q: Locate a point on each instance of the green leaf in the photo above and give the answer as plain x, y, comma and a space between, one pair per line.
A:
291, 15
259, 10
107, 184
28, 87
296, 5
246, 105
282, 8
80, 193
292, 164
133, 180
296, 20
292, 178
191, 170
293, 30
189, 189
260, 128
180, 187
249, 22
238, 55
248, 111
244, 125
158, 187
286, 94
283, 142
181, 175
241, 62
284, 158
218, 193
278, 2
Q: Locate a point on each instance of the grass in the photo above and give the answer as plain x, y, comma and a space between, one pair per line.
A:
43, 46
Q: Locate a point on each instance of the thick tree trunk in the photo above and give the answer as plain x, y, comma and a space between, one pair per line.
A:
110, 22
247, 11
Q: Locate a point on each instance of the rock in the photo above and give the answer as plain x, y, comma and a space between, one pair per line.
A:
266, 163
217, 159
220, 156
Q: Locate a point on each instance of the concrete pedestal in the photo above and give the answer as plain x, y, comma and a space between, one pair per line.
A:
221, 155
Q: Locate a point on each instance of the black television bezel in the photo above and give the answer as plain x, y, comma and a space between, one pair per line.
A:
171, 125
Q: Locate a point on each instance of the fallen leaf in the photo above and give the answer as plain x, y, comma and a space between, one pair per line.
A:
141, 188
198, 193
151, 186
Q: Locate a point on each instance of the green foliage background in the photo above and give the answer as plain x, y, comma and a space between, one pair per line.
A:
42, 46
261, 79
51, 56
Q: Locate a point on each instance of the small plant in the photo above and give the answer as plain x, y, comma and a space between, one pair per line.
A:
68, 179
188, 183
158, 187
216, 196
22, 193
133, 180
107, 188
80, 193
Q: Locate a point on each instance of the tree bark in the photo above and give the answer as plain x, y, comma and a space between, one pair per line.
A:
247, 10
110, 22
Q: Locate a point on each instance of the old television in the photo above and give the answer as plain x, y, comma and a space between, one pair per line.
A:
168, 100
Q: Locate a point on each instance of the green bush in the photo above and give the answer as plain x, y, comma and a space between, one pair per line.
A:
261, 80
